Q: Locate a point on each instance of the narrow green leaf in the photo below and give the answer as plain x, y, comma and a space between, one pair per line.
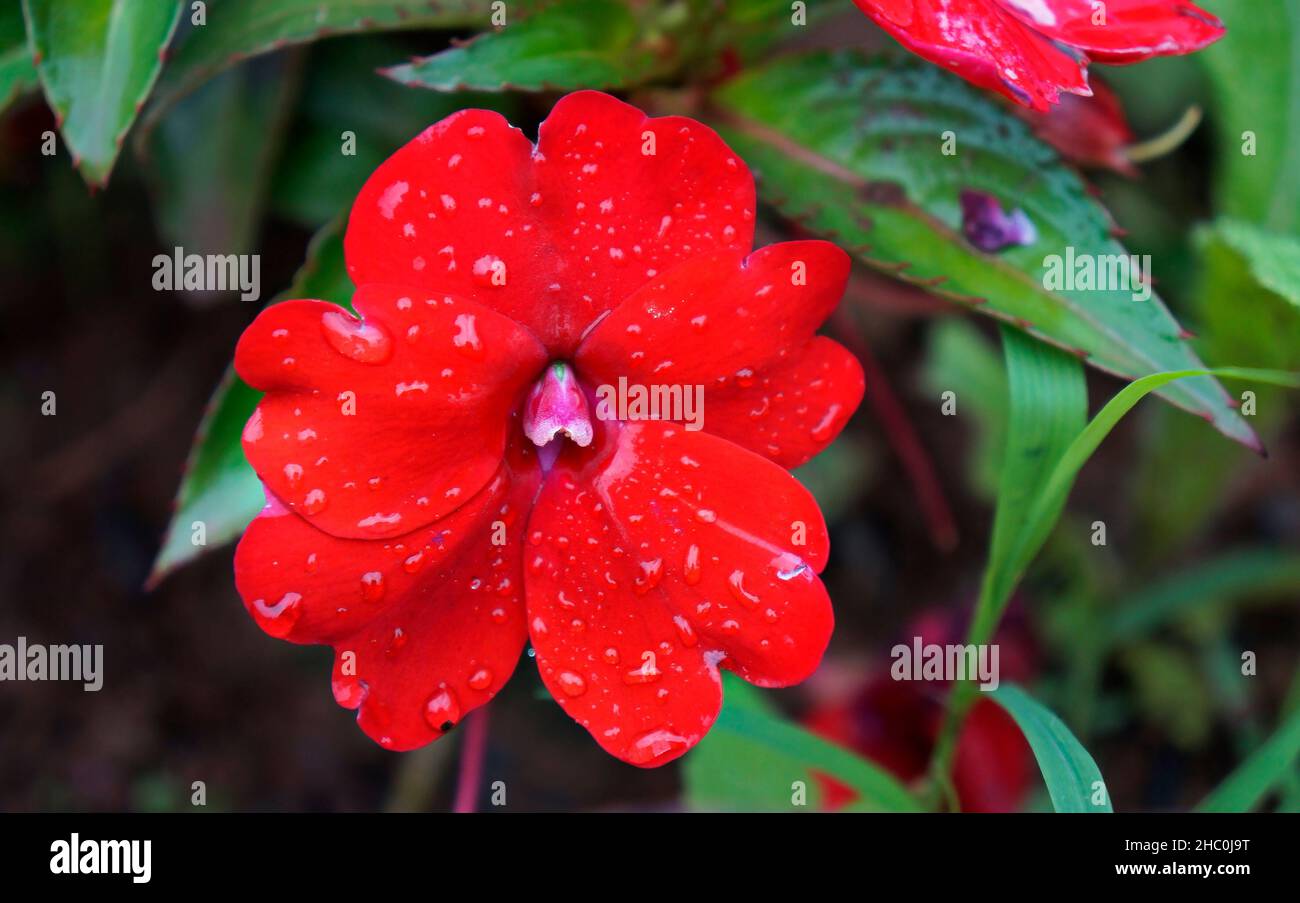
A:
236, 30
1048, 408
572, 44
1041, 516
752, 756
97, 61
17, 71
1227, 577
852, 147
1073, 780
1258, 775
219, 490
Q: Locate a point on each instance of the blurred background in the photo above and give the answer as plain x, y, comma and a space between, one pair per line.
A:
1135, 644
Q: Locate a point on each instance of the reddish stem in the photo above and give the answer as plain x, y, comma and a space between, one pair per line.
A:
901, 435
473, 751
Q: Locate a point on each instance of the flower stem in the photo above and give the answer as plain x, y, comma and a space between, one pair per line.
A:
473, 751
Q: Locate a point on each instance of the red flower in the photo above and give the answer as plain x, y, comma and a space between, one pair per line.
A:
413, 522
1031, 50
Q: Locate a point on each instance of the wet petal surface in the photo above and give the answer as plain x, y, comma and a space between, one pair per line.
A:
656, 558
371, 428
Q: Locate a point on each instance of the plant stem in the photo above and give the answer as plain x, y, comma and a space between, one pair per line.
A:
984, 623
473, 751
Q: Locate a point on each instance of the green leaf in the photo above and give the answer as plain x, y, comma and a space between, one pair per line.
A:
219, 488
851, 146
239, 29
213, 156
1273, 259
1231, 576
572, 44
1245, 311
1032, 529
97, 60
17, 71
1260, 773
752, 756
1048, 408
1071, 775
1255, 75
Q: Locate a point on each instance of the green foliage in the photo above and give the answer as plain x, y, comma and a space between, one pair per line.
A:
17, 71
752, 758
1255, 74
238, 29
1273, 762
572, 44
1072, 777
851, 147
97, 61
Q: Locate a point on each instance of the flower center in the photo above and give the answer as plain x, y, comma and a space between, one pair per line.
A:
557, 405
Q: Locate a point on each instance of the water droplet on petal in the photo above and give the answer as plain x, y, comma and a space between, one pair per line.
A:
278, 619
366, 343
442, 711
314, 501
736, 582
651, 573
466, 338
660, 742
481, 679
572, 684
691, 568
372, 586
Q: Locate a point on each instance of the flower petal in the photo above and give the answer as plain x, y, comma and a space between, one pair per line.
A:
555, 236
984, 43
742, 330
373, 428
654, 557
425, 626
1121, 31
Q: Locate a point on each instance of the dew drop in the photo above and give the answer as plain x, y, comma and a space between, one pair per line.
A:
278, 619
372, 586
365, 343
314, 501
466, 338
736, 582
651, 573
691, 568
442, 711
480, 679
572, 684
